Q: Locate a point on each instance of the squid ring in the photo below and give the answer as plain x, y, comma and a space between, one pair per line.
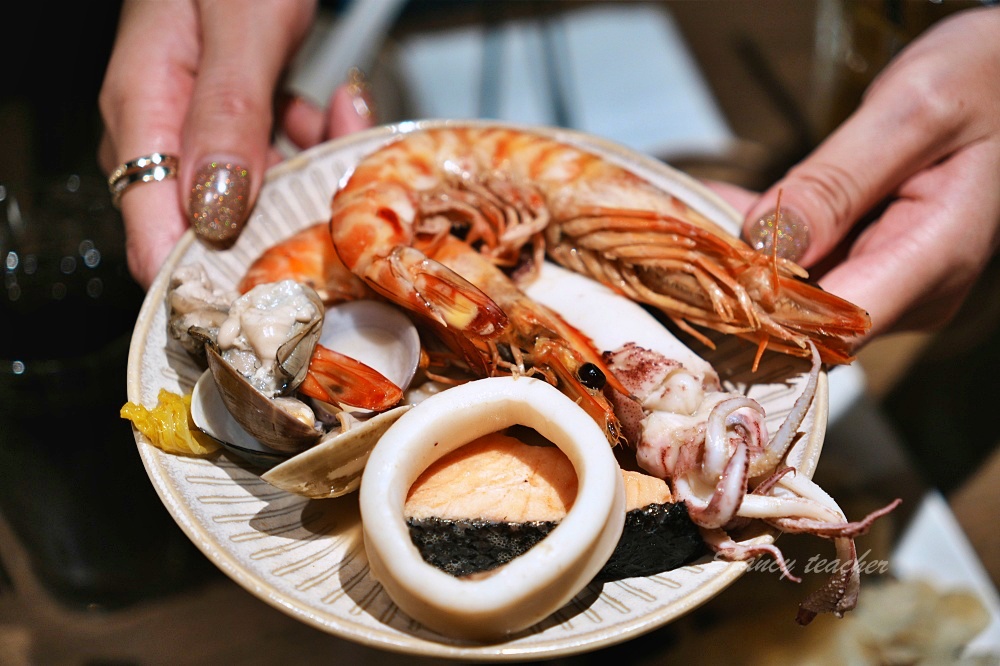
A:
530, 587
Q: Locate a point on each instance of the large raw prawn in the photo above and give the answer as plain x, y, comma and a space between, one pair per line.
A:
505, 191
530, 339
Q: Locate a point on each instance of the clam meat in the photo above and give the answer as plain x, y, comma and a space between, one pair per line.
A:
195, 304
270, 334
259, 356
259, 349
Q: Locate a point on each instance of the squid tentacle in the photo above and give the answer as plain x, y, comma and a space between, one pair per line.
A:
711, 474
726, 548
725, 501
840, 592
778, 447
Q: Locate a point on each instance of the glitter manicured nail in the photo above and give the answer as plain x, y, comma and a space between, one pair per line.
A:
793, 235
357, 88
219, 201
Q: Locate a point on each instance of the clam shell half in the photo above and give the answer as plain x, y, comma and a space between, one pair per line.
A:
211, 416
333, 467
259, 415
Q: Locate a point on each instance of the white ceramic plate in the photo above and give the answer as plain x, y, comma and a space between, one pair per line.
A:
306, 557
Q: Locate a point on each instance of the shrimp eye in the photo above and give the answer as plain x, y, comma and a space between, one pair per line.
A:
592, 377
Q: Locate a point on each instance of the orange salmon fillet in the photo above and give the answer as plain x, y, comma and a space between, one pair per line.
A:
500, 478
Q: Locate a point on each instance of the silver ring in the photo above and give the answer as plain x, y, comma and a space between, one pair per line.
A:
146, 169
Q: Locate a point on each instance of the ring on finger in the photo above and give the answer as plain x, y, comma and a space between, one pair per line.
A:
150, 168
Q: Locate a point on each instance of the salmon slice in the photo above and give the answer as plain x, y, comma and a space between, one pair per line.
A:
488, 501
497, 478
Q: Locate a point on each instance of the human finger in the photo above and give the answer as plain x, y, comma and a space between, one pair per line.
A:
350, 110
822, 197
912, 268
924, 107
738, 197
143, 100
227, 133
302, 122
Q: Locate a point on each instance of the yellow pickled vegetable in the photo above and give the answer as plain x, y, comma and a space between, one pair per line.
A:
168, 425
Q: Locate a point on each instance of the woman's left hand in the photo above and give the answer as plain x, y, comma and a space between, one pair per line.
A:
922, 152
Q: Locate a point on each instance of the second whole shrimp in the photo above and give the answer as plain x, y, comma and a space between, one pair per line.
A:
514, 194
531, 339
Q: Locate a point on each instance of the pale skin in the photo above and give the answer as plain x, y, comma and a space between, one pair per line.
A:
198, 78
925, 143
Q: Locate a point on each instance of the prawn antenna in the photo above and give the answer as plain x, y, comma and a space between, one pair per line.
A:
774, 243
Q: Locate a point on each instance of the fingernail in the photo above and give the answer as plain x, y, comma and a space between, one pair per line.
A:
360, 93
220, 199
792, 234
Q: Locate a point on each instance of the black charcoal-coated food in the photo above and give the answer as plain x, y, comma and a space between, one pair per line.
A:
463, 547
656, 538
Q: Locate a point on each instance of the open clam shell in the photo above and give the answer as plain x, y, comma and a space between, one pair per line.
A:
296, 352
261, 416
375, 333
333, 467
212, 417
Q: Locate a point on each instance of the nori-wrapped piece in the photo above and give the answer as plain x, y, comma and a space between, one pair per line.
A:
463, 547
656, 538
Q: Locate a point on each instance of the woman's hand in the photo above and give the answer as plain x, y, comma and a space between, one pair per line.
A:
198, 79
920, 157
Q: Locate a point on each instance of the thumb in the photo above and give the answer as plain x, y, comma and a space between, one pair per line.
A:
824, 196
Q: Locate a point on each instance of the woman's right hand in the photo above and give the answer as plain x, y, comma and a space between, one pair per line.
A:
199, 79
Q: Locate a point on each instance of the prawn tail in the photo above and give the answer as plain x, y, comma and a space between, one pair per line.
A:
338, 379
